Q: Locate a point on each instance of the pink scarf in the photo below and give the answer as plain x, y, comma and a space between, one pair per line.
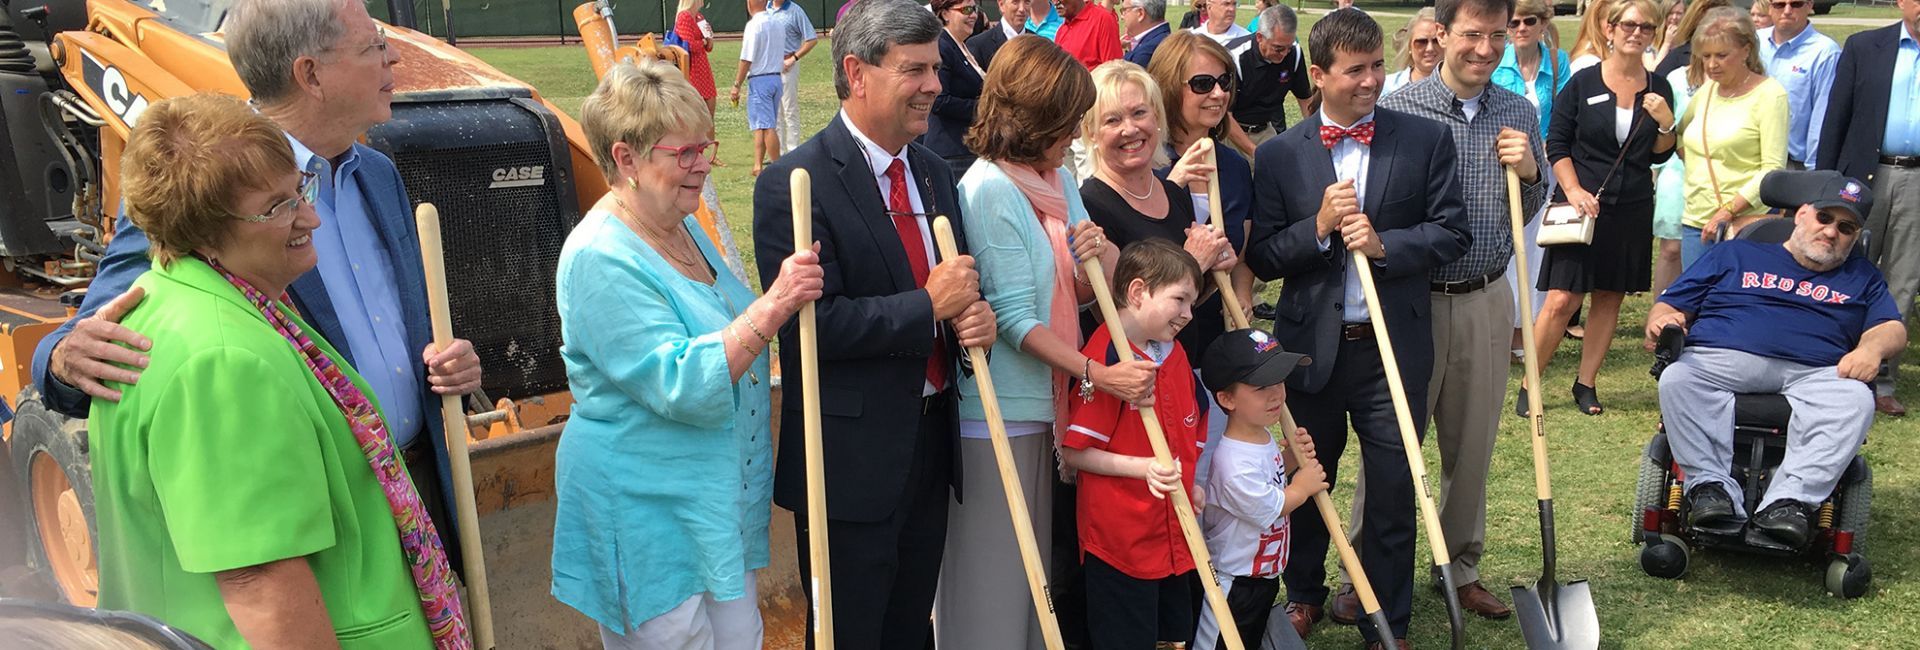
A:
1042, 189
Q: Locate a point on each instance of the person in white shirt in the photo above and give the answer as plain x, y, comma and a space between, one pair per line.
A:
1248, 492
1221, 26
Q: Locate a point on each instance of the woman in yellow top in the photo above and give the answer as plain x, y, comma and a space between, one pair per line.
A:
1733, 133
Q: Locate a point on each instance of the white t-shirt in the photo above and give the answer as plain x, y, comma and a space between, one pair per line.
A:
1246, 531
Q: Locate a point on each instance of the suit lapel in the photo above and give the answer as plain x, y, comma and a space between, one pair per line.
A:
857, 181
1882, 73
1379, 164
1317, 161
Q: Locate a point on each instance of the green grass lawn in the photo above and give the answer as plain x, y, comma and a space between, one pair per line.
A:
1725, 601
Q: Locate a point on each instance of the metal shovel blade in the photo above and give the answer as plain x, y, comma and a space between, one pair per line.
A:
1456, 618
1557, 616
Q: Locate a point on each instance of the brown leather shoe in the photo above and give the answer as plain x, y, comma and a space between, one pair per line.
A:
1345, 607
1475, 598
1398, 644
1890, 406
1303, 616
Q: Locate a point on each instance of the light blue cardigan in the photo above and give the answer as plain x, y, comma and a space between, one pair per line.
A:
1010, 250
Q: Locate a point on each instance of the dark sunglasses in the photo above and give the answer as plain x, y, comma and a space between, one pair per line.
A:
1847, 228
1630, 27
1529, 21
1795, 4
965, 11
1202, 84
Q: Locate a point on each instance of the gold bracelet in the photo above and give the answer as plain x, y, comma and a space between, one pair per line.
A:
743, 342
756, 328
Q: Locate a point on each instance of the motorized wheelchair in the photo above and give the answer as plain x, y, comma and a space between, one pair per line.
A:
1759, 444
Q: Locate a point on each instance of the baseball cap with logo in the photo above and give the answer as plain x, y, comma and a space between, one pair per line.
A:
1247, 356
1788, 190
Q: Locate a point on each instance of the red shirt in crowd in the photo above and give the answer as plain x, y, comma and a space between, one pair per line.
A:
1092, 35
1120, 520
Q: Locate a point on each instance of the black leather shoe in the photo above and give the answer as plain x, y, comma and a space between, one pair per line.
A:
1785, 521
1710, 509
1264, 311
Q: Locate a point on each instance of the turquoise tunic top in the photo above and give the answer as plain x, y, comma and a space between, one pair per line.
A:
665, 473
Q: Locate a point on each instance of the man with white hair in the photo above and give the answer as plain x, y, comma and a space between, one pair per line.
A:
1146, 27
1270, 70
321, 70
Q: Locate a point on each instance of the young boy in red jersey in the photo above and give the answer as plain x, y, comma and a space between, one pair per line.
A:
1136, 561
1249, 493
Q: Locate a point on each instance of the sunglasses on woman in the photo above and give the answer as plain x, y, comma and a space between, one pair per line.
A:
1847, 228
1202, 84
308, 192
1630, 27
966, 10
1529, 21
688, 155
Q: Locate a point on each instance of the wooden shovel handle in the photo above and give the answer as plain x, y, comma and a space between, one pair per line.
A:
802, 193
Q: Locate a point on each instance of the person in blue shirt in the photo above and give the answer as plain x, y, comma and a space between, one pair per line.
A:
1802, 59
1807, 319
1146, 28
1045, 25
798, 37
663, 483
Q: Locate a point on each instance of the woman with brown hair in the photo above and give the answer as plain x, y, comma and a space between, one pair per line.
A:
960, 79
1028, 232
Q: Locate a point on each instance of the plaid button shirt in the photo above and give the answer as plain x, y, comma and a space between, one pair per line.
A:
1483, 182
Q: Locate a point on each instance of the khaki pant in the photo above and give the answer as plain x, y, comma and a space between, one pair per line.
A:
1894, 245
1466, 394
984, 600
1259, 138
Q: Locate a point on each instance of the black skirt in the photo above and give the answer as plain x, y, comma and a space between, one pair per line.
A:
1619, 259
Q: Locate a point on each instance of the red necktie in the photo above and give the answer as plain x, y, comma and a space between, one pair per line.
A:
1332, 135
908, 225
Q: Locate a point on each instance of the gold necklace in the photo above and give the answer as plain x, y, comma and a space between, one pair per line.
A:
658, 240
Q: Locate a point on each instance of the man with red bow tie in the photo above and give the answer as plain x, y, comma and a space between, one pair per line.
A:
1380, 183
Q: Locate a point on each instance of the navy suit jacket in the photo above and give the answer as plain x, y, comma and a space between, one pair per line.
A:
392, 215
984, 45
1146, 43
875, 326
1414, 204
1857, 108
953, 108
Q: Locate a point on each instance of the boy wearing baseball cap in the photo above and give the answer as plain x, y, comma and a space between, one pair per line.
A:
1248, 491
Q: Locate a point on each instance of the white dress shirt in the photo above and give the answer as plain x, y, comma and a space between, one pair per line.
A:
1350, 161
878, 160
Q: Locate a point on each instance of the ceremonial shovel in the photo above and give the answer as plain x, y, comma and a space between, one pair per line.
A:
801, 188
1416, 462
1552, 615
1009, 476
1182, 505
1362, 587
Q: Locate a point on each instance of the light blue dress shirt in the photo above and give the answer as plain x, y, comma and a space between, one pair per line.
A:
358, 273
1350, 160
1805, 65
664, 480
1903, 100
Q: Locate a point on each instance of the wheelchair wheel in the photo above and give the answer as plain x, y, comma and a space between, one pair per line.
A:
1651, 491
1849, 577
1665, 556
1856, 502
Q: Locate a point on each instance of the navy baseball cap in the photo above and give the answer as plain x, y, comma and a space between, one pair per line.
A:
1247, 356
1822, 189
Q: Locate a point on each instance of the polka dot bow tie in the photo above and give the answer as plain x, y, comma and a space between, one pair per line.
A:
1332, 135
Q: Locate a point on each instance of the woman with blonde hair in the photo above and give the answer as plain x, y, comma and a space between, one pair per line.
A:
1603, 154
663, 481
1680, 53
1589, 47
1733, 132
1416, 51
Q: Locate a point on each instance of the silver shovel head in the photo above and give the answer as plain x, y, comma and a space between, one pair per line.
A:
1557, 616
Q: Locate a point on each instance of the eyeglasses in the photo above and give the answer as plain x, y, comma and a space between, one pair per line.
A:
379, 42
1630, 27
1476, 37
966, 10
690, 155
1202, 84
1424, 43
1795, 4
1847, 228
308, 192
1529, 21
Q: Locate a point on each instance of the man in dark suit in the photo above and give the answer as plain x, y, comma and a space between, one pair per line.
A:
1146, 28
326, 98
1872, 132
887, 371
1013, 22
1323, 188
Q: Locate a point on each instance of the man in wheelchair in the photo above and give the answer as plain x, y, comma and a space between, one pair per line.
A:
1808, 320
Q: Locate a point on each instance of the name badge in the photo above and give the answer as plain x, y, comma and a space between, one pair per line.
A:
1597, 99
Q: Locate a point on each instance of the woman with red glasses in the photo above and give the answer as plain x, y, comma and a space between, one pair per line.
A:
664, 480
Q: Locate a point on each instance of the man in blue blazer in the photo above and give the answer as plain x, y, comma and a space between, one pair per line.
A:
1013, 22
367, 296
1872, 132
1146, 26
888, 361
1379, 183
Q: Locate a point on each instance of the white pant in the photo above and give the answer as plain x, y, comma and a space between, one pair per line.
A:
699, 623
787, 117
